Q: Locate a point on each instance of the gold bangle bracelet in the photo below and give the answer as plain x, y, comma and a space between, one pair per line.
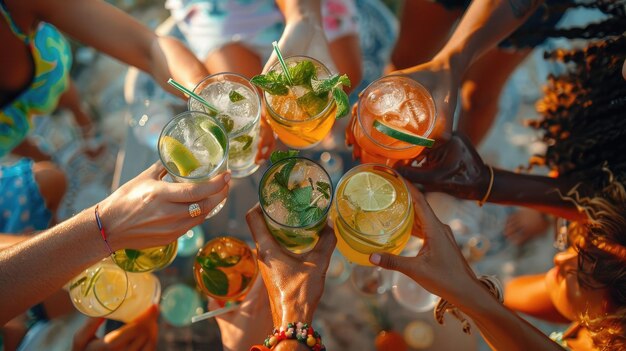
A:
491, 179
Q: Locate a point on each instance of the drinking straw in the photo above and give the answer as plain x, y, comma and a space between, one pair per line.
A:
229, 307
199, 98
282, 62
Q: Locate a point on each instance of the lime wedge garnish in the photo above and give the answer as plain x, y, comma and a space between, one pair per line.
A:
110, 288
180, 155
370, 191
402, 135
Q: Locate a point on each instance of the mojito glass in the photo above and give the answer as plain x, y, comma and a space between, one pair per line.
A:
146, 260
295, 194
194, 148
301, 119
239, 113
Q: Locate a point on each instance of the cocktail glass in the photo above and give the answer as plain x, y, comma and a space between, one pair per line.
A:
146, 260
400, 103
411, 295
225, 269
239, 109
194, 148
106, 290
300, 119
179, 304
372, 212
295, 194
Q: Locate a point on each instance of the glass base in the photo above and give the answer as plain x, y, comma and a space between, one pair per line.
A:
244, 172
216, 209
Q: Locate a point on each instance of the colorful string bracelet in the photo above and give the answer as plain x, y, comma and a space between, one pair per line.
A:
296, 331
102, 232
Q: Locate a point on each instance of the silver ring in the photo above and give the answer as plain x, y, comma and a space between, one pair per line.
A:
194, 210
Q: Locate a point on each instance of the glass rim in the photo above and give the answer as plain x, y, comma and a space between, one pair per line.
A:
364, 94
254, 258
179, 117
312, 118
353, 171
246, 128
284, 160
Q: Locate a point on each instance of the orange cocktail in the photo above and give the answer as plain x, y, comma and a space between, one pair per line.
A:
392, 112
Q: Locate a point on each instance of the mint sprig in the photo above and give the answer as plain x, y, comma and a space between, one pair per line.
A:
302, 202
214, 279
273, 82
335, 85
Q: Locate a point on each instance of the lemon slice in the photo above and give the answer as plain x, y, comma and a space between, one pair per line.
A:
180, 156
110, 288
370, 191
403, 135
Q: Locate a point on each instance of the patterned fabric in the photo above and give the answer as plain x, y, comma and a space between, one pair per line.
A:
52, 58
208, 25
22, 208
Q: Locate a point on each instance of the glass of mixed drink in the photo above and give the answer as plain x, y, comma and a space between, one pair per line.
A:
105, 290
194, 148
146, 260
239, 109
295, 194
300, 117
395, 116
372, 212
225, 269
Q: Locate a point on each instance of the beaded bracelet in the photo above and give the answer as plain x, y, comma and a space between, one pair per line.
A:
298, 331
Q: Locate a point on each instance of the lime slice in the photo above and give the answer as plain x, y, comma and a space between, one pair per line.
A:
180, 155
402, 134
110, 288
370, 191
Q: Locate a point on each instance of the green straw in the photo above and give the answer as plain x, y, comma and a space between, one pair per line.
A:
282, 62
179, 86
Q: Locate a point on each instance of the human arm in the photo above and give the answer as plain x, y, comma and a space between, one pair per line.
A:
441, 269
140, 334
528, 294
294, 283
110, 30
456, 168
28, 148
145, 212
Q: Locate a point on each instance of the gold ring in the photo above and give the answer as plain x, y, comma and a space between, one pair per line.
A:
194, 210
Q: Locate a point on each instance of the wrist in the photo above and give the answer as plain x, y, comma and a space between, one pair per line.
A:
453, 60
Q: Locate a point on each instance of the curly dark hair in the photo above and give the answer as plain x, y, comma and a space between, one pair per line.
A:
583, 114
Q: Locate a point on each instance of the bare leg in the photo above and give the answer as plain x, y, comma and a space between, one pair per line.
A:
346, 54
424, 29
481, 90
528, 294
52, 184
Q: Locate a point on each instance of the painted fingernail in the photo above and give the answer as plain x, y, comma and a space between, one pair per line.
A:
375, 258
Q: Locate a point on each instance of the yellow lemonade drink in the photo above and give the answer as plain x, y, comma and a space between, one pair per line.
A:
146, 260
100, 289
239, 111
395, 116
302, 112
144, 290
225, 269
193, 147
295, 195
372, 212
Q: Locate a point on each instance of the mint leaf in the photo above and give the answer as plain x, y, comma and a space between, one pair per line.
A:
235, 96
341, 100
279, 155
132, 254
302, 73
312, 103
311, 215
215, 281
226, 121
326, 85
213, 260
303, 195
282, 176
323, 188
272, 82
244, 139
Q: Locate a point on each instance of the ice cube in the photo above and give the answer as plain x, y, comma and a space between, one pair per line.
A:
395, 119
414, 113
384, 98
